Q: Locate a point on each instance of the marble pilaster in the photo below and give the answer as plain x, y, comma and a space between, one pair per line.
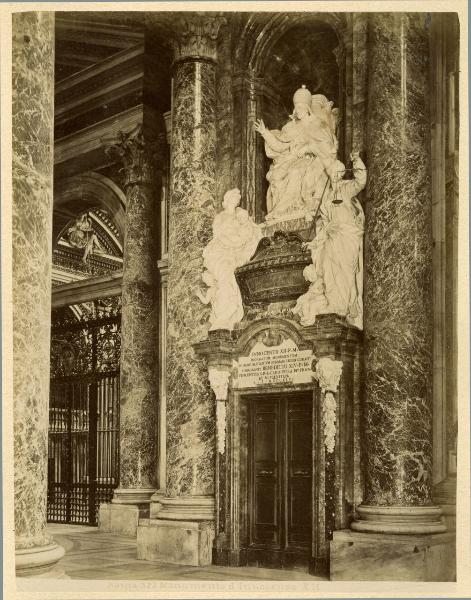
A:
398, 270
139, 381
32, 122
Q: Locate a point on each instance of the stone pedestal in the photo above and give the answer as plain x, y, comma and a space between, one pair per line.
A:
175, 542
190, 405
33, 112
182, 533
379, 557
398, 306
139, 394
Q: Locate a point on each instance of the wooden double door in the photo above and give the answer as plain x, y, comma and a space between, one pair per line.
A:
280, 480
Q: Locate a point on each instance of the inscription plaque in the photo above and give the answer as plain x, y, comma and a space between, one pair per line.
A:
273, 364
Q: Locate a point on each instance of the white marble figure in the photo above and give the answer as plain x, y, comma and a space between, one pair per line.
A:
313, 302
235, 239
337, 250
81, 235
301, 152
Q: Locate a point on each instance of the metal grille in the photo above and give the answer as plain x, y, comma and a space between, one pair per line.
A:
83, 458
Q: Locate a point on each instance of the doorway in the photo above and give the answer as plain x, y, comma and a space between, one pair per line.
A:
280, 480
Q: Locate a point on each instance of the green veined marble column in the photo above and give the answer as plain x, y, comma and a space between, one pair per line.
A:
398, 272
139, 394
190, 402
33, 131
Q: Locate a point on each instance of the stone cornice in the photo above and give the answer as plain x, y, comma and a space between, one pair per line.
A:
87, 290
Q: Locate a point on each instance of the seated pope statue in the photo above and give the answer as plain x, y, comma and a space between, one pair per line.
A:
301, 153
235, 239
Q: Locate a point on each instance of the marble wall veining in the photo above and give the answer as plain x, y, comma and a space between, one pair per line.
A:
32, 163
226, 178
359, 80
190, 403
398, 264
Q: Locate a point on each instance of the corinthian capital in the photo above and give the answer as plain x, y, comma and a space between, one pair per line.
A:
195, 35
138, 156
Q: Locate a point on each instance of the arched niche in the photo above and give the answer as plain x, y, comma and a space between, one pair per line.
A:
75, 195
278, 53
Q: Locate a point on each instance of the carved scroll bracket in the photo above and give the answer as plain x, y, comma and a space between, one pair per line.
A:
219, 381
328, 373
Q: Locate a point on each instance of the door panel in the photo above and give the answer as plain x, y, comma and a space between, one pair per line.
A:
299, 459
266, 476
280, 479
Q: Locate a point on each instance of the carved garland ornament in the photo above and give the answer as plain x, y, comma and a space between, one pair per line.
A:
328, 374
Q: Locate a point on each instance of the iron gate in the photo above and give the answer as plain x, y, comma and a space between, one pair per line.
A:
83, 456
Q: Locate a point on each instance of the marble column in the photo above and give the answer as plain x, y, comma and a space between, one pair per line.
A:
398, 318
398, 278
33, 131
187, 514
139, 381
398, 323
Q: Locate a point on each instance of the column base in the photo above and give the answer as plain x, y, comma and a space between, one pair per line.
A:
187, 508
414, 520
356, 556
123, 514
31, 562
155, 503
444, 494
182, 534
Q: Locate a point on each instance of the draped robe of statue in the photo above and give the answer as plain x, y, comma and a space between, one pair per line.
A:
235, 239
297, 183
337, 255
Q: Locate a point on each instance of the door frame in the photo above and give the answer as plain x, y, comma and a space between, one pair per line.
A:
233, 541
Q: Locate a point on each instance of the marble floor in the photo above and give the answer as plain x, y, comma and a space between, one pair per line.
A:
94, 555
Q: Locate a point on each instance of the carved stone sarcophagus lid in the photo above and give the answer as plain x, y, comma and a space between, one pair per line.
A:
275, 272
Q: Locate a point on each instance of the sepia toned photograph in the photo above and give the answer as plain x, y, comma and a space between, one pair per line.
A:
234, 262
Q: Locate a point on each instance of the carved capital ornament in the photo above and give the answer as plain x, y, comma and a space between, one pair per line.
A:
195, 35
139, 157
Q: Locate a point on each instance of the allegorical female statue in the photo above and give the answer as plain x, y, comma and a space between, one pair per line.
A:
235, 239
336, 273
301, 153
